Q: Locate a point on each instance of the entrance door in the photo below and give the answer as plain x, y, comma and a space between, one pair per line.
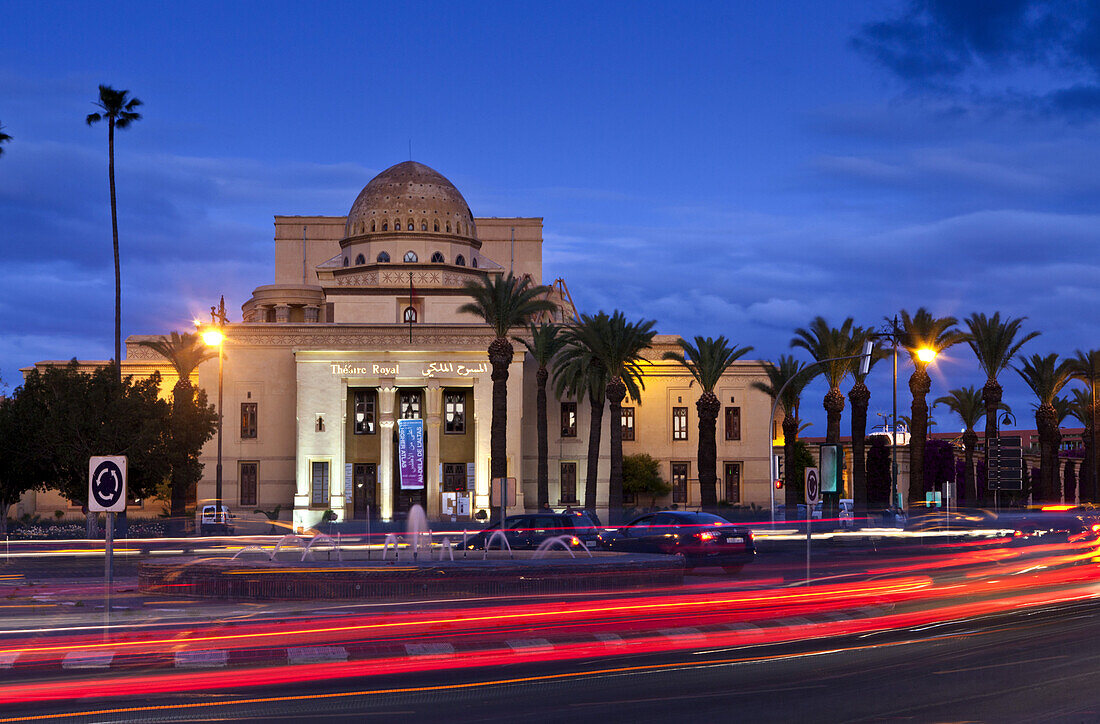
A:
732, 479
364, 478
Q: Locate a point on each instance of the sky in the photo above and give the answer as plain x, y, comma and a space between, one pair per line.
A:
731, 168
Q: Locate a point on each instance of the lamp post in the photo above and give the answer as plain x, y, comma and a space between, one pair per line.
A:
215, 337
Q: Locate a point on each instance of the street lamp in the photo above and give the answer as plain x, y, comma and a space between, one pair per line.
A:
214, 337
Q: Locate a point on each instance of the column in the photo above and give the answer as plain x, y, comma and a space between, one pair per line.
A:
386, 396
312, 313
282, 313
482, 417
433, 405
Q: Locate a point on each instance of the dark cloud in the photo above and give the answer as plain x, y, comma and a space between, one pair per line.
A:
1026, 54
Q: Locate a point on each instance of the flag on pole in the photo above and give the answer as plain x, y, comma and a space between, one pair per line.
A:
411, 314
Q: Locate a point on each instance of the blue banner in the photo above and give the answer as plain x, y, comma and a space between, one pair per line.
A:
410, 453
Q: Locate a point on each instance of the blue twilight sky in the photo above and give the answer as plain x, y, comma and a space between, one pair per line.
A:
724, 168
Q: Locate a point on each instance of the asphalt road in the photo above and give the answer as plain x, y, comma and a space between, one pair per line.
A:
1038, 666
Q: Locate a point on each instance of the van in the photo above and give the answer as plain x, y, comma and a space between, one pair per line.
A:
213, 523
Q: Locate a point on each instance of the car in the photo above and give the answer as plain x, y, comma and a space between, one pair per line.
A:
702, 539
212, 523
583, 513
532, 529
1055, 527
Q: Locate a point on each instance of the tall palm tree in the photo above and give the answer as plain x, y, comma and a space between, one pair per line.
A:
995, 342
787, 374
504, 303
707, 360
1086, 367
923, 331
1046, 376
544, 344
4, 138
621, 353
185, 352
1082, 409
860, 397
580, 373
966, 402
117, 108
829, 343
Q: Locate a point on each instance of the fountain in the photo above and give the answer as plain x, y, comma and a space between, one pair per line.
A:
565, 541
503, 541
446, 545
321, 537
417, 533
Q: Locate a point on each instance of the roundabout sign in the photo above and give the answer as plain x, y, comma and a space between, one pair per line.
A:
107, 484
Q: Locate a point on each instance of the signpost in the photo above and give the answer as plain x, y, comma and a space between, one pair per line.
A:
813, 495
107, 494
1006, 465
509, 497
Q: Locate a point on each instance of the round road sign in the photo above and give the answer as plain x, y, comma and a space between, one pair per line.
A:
107, 485
813, 486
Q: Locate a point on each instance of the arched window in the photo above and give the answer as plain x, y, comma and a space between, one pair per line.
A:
437, 258
383, 257
397, 224
460, 260
410, 257
385, 226
345, 261
372, 226
473, 262
437, 224
410, 314
360, 260
448, 227
423, 225
411, 227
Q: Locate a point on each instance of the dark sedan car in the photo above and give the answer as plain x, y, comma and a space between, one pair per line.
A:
701, 538
533, 529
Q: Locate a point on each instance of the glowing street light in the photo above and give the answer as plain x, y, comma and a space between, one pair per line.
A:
926, 355
214, 337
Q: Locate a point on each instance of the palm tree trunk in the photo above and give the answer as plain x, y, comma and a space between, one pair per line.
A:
970, 481
1043, 419
860, 397
834, 406
991, 396
791, 486
1055, 468
616, 391
708, 405
1084, 477
114, 236
595, 433
919, 385
543, 472
500, 357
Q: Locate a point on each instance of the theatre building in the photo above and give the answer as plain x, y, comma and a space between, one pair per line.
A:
354, 373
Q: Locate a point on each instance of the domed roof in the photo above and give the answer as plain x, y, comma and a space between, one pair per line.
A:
413, 197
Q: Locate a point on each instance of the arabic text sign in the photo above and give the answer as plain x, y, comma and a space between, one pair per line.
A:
410, 453
409, 369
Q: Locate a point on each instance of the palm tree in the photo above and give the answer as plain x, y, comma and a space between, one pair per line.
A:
995, 342
1082, 409
1046, 376
580, 373
923, 331
543, 345
860, 397
503, 302
118, 110
829, 343
620, 353
185, 352
966, 402
707, 360
787, 375
4, 138
1086, 367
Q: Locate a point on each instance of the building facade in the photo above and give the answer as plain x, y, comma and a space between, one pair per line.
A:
360, 332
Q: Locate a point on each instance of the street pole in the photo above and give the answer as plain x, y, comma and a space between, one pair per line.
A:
894, 425
221, 414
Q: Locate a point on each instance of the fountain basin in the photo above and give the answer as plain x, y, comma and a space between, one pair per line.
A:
242, 579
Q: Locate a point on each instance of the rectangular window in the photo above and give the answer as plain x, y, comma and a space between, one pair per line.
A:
679, 423
568, 492
248, 478
248, 420
628, 423
680, 483
733, 423
410, 404
454, 477
365, 420
732, 480
454, 413
319, 485
569, 419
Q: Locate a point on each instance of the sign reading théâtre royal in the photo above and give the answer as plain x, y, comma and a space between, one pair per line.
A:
394, 369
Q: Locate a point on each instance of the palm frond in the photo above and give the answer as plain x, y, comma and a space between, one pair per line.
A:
923, 330
505, 302
829, 343
994, 341
708, 359
1045, 375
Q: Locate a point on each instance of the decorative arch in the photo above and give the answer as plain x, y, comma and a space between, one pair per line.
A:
460, 260
437, 224
385, 226
412, 227
437, 257
448, 227
397, 224
372, 225
423, 225
409, 315
473, 262
383, 257
410, 257
345, 261
359, 260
